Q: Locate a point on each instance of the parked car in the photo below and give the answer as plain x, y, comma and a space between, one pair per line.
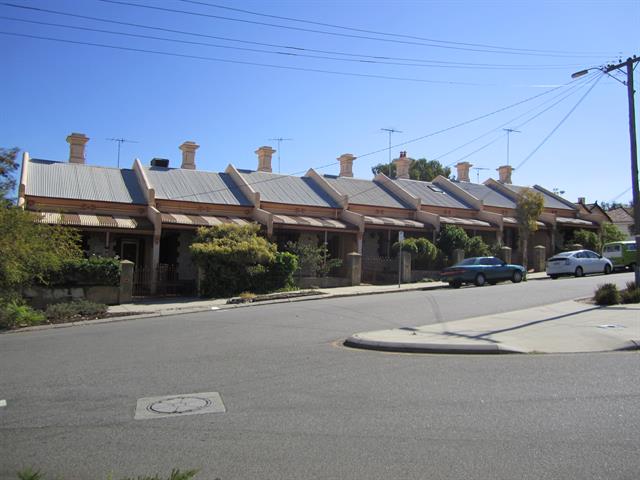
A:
621, 254
481, 270
578, 263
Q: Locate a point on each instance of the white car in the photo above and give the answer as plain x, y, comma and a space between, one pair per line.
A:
578, 263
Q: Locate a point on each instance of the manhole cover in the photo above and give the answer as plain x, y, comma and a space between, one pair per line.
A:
179, 405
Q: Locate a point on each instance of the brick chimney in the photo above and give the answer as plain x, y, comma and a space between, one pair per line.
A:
463, 171
264, 158
77, 142
189, 155
402, 165
504, 172
346, 164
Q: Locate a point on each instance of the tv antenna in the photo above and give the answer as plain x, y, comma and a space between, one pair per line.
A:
390, 131
477, 169
120, 142
279, 140
509, 132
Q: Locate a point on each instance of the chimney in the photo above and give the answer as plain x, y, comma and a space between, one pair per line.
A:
77, 142
505, 173
582, 200
264, 158
402, 165
463, 171
189, 155
346, 164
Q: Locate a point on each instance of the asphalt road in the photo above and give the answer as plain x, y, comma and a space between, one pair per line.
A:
301, 406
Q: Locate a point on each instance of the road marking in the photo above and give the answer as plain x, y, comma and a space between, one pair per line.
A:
3, 403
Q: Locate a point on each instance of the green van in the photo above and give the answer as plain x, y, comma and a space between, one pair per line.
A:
621, 254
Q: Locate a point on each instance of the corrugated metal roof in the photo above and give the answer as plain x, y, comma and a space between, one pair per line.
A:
489, 196
195, 186
83, 182
431, 194
574, 221
365, 192
319, 222
471, 222
288, 189
549, 200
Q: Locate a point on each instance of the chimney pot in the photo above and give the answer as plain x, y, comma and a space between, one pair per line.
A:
504, 173
463, 171
77, 142
189, 155
264, 158
160, 162
346, 164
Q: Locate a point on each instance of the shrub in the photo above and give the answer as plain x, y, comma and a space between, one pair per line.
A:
476, 247
279, 274
61, 312
87, 271
587, 239
631, 294
407, 245
15, 313
450, 238
611, 233
313, 260
607, 294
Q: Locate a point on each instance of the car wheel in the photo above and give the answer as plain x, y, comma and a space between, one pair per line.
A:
517, 277
455, 284
554, 277
607, 269
579, 272
480, 280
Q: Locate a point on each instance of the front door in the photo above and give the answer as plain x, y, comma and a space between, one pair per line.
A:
129, 251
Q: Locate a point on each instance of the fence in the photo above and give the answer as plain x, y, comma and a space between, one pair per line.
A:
167, 282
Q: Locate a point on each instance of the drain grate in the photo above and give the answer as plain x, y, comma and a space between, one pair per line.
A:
179, 405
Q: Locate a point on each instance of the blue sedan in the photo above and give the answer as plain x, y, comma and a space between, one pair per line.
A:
481, 270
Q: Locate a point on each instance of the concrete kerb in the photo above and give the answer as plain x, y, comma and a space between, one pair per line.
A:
407, 347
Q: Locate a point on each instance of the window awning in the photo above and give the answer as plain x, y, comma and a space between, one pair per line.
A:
513, 221
574, 221
467, 222
94, 220
317, 222
201, 220
393, 222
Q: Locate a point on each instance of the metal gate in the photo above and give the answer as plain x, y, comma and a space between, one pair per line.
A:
379, 270
167, 282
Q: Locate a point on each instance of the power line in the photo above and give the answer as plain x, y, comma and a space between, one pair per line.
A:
442, 63
253, 64
291, 54
392, 34
560, 123
322, 32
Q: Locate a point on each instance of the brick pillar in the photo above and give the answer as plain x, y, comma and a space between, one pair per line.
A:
539, 258
406, 267
126, 282
505, 254
354, 268
458, 256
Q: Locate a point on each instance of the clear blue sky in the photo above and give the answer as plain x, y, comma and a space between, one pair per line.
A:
51, 89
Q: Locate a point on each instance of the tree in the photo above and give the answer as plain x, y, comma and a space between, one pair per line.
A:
587, 239
611, 233
8, 166
421, 169
529, 207
476, 247
30, 250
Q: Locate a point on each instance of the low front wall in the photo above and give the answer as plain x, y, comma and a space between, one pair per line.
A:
40, 297
418, 275
322, 282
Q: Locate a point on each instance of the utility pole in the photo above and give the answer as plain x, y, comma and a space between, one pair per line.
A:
120, 142
390, 130
628, 64
509, 132
279, 140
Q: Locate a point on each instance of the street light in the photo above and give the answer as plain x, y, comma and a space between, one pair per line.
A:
628, 63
